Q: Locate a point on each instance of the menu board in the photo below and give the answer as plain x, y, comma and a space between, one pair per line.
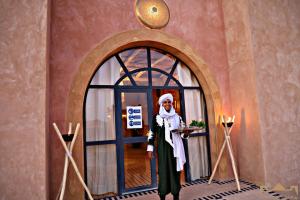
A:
134, 117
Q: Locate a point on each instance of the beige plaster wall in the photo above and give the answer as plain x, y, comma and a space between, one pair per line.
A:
23, 118
263, 45
246, 134
275, 31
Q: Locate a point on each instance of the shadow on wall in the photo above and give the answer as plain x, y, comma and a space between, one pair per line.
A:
241, 138
243, 126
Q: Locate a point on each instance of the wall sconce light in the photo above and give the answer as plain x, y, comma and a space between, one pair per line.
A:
152, 13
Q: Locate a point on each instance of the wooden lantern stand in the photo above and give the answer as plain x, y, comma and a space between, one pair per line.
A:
68, 157
227, 142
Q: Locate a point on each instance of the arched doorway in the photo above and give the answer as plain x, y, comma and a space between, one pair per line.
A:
114, 148
130, 39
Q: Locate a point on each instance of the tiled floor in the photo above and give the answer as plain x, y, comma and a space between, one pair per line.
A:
223, 190
137, 167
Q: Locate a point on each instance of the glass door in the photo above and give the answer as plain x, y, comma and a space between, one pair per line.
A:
134, 117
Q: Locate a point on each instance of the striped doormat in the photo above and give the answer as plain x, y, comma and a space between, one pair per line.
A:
200, 190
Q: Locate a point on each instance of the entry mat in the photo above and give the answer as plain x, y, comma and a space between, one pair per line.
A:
200, 190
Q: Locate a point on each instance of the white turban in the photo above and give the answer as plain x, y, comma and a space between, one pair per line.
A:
165, 97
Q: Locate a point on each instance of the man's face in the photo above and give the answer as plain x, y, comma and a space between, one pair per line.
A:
167, 104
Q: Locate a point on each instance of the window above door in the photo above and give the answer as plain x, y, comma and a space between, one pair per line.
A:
143, 66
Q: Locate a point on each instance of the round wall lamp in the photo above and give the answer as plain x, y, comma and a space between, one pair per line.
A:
152, 13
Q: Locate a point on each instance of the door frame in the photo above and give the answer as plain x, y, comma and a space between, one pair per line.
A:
121, 141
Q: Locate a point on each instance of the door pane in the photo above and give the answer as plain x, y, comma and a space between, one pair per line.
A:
184, 75
134, 58
102, 169
194, 105
100, 115
141, 78
158, 79
137, 168
198, 157
198, 153
162, 60
129, 119
108, 73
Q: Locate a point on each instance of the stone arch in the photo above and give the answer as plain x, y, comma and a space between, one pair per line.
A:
135, 38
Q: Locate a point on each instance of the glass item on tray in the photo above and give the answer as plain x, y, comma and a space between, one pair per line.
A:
188, 129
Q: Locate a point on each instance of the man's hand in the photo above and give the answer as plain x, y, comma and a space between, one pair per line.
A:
149, 154
187, 132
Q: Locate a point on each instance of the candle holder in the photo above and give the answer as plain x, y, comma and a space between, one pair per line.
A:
65, 140
227, 124
68, 137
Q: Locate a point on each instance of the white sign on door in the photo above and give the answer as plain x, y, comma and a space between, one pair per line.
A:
134, 117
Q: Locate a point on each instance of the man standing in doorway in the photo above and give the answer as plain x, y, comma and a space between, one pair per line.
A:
171, 155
